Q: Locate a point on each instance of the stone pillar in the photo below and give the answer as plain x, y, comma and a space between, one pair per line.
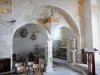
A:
74, 56
88, 23
49, 60
73, 51
68, 51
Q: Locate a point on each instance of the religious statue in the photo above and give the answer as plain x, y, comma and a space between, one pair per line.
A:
73, 43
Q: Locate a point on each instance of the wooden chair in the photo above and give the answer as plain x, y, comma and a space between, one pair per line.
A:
30, 63
38, 73
36, 67
20, 68
30, 66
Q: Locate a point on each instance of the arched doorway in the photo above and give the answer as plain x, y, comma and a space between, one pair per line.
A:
52, 23
62, 45
62, 17
29, 38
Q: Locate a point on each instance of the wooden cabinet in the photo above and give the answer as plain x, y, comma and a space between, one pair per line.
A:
4, 65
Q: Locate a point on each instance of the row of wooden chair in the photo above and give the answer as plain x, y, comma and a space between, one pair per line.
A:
30, 67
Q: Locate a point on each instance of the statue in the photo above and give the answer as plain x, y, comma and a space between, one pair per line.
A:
73, 43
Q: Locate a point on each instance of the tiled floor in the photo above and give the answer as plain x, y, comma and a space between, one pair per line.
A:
62, 71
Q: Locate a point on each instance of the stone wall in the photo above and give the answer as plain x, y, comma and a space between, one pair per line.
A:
27, 10
24, 11
6, 32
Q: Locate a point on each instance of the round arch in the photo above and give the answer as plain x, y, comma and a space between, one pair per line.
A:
18, 26
34, 27
70, 22
67, 17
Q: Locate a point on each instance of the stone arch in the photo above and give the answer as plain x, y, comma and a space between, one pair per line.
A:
39, 9
70, 22
19, 25
34, 27
68, 18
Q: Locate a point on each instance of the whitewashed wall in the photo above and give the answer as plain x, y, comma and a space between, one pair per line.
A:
6, 31
31, 9
21, 45
27, 10
88, 24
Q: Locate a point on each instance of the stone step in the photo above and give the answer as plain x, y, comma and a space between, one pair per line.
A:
59, 63
82, 66
79, 68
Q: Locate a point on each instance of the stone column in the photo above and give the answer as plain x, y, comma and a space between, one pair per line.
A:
68, 51
74, 56
49, 60
73, 51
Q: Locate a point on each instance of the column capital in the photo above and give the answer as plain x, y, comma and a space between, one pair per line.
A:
74, 50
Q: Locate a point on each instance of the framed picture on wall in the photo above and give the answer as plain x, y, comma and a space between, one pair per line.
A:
33, 36
23, 33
